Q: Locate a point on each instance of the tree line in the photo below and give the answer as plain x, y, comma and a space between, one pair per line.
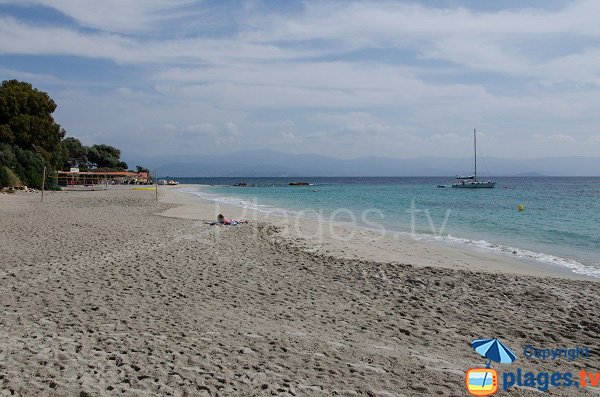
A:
30, 140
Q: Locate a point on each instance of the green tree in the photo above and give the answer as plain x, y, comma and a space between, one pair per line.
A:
30, 139
26, 118
8, 161
26, 124
75, 154
7, 156
106, 156
7, 177
29, 167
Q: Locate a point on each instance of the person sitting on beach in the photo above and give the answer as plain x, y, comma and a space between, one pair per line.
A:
226, 221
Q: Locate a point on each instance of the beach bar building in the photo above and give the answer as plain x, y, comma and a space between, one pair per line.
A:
75, 178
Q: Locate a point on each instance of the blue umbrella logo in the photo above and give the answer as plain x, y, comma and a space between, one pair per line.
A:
493, 350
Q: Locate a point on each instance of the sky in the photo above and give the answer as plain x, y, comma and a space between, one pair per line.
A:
338, 78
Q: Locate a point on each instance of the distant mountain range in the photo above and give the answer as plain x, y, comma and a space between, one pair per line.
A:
273, 163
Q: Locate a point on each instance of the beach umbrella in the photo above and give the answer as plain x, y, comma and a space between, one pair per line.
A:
494, 350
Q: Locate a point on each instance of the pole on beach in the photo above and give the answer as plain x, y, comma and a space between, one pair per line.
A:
43, 182
156, 185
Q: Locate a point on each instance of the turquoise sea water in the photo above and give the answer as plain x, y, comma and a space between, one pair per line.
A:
560, 224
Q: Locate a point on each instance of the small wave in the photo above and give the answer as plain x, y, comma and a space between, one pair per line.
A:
576, 267
234, 202
483, 245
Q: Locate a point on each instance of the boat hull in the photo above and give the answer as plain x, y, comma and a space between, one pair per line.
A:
475, 185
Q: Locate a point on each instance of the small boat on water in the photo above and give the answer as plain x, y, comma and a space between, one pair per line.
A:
471, 182
442, 186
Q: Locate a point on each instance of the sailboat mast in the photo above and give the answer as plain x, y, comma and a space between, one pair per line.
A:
475, 144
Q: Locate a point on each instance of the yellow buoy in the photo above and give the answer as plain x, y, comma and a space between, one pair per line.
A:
520, 207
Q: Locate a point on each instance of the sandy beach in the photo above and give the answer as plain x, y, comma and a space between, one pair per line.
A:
349, 241
111, 293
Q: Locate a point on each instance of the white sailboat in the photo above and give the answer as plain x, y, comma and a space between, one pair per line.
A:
471, 182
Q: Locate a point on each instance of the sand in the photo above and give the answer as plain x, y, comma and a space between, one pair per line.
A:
352, 242
110, 293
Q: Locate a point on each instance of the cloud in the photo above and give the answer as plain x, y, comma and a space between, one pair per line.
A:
449, 136
558, 138
289, 136
118, 16
169, 127
594, 138
31, 77
503, 42
358, 124
202, 128
232, 129
380, 76
372, 132
17, 37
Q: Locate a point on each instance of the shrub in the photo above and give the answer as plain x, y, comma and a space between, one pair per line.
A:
8, 178
30, 167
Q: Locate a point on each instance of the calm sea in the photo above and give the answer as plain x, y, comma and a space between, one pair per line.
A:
560, 224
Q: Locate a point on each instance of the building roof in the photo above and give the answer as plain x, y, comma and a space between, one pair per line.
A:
103, 173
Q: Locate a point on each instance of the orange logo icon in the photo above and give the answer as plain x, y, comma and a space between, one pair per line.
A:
482, 381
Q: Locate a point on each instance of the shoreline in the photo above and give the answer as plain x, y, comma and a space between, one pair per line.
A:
390, 247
